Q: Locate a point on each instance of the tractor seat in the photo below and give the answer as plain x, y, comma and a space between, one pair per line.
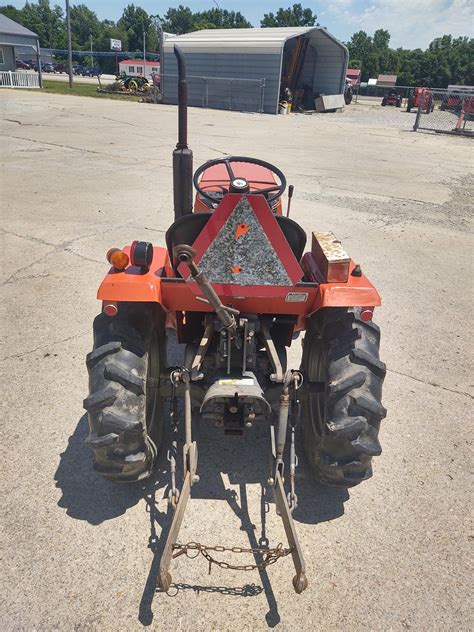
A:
185, 230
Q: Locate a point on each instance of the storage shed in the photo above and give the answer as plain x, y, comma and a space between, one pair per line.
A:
250, 69
13, 35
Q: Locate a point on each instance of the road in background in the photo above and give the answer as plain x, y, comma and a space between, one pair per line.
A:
55, 76
82, 175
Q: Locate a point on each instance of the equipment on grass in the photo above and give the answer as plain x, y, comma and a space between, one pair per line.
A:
235, 282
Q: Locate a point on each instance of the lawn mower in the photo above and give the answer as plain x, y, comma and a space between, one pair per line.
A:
392, 98
235, 282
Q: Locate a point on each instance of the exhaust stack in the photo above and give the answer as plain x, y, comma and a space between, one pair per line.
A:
182, 155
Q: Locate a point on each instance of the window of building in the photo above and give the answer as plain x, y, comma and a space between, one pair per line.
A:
2, 60
131, 69
139, 68
154, 69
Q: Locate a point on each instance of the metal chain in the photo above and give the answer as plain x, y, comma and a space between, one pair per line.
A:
271, 555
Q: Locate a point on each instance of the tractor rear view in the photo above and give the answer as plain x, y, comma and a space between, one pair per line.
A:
423, 96
235, 281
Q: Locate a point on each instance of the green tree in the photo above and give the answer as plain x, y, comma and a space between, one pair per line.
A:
221, 18
360, 45
46, 21
178, 21
84, 23
134, 22
292, 16
11, 12
381, 39
182, 20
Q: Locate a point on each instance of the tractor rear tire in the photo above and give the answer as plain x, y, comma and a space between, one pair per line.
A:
124, 405
341, 425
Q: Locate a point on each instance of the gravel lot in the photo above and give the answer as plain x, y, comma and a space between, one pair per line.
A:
373, 115
81, 175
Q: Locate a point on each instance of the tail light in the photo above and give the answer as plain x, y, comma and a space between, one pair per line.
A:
110, 308
366, 313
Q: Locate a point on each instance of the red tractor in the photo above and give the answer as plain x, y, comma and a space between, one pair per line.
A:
415, 97
392, 98
235, 281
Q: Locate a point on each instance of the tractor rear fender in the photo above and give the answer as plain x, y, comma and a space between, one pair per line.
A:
134, 284
160, 285
358, 291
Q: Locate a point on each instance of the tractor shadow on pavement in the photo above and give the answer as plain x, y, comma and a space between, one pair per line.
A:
85, 494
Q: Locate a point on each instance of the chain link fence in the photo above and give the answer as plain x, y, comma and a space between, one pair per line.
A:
444, 111
222, 93
380, 91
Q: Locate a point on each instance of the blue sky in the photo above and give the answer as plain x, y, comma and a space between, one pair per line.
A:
412, 23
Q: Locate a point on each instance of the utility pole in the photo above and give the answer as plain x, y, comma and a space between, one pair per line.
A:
144, 53
220, 12
92, 55
69, 42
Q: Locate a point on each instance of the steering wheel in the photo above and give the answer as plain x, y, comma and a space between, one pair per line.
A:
239, 184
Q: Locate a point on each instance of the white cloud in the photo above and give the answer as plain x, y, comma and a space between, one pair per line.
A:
411, 23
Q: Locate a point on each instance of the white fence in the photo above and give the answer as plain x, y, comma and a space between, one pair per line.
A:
9, 79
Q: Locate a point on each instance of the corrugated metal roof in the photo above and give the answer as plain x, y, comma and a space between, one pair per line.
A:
138, 62
387, 79
353, 76
353, 72
262, 40
10, 27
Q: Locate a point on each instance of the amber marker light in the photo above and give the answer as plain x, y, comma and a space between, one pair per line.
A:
117, 258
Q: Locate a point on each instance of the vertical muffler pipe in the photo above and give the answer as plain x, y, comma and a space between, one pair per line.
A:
182, 155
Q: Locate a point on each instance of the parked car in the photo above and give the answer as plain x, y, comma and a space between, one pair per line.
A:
78, 69
59, 67
47, 67
392, 98
22, 65
91, 71
414, 98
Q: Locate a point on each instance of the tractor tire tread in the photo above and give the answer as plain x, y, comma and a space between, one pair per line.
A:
128, 380
121, 443
95, 356
115, 423
374, 364
347, 426
96, 441
100, 399
336, 387
341, 438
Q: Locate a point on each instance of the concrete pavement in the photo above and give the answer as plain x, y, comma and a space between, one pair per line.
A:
81, 175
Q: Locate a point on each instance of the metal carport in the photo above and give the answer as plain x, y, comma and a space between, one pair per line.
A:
242, 69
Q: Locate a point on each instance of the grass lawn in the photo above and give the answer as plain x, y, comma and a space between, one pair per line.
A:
82, 90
